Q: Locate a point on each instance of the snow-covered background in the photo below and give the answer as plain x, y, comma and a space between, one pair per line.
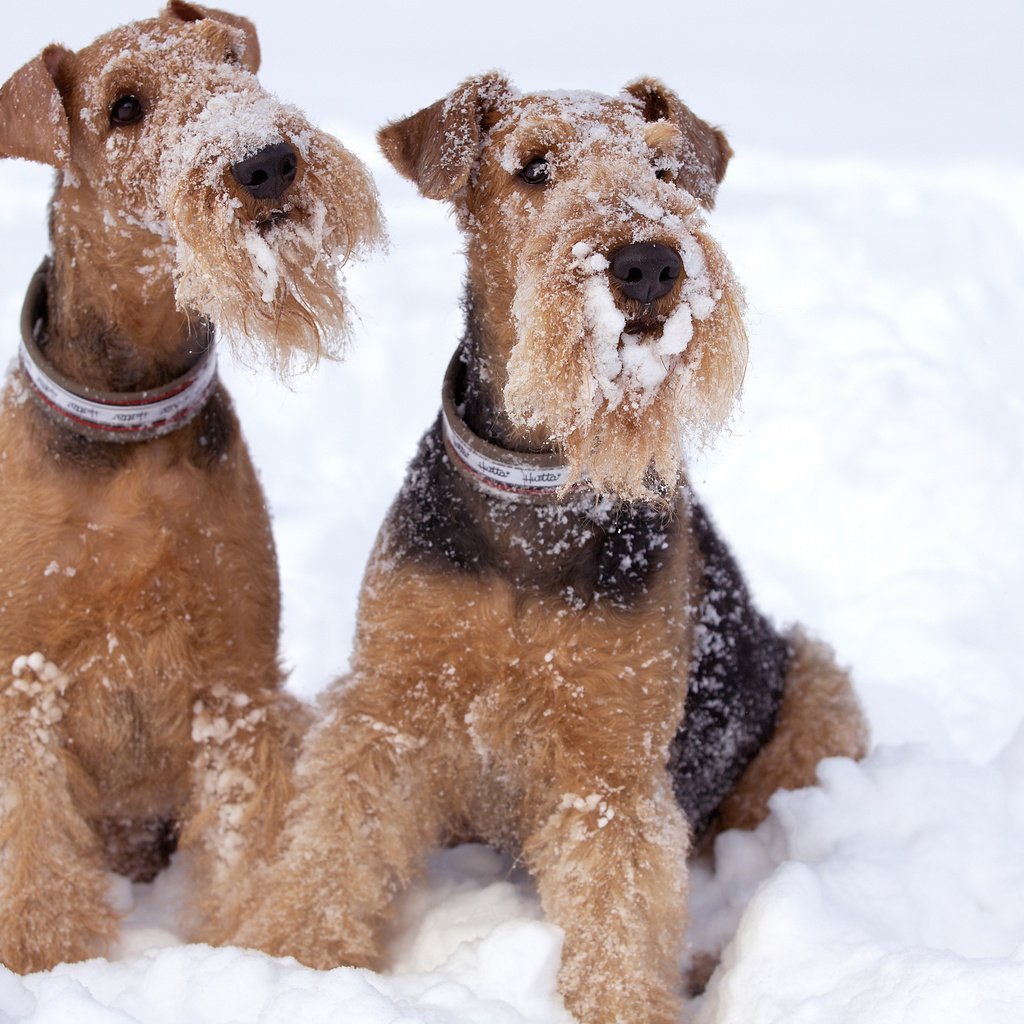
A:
872, 486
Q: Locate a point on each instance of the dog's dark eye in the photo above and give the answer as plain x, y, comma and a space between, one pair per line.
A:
125, 110
664, 174
536, 172
231, 56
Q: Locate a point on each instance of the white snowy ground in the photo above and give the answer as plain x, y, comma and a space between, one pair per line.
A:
872, 486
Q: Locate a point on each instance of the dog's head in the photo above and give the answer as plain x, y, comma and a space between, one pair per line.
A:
172, 159
586, 236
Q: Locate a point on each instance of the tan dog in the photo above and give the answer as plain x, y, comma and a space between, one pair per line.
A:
555, 652
140, 700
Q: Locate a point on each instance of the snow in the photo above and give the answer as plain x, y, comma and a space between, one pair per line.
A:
856, 910
871, 487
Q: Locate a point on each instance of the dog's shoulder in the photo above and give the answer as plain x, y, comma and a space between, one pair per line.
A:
737, 675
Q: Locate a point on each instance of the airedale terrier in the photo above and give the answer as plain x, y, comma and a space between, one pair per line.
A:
142, 703
555, 652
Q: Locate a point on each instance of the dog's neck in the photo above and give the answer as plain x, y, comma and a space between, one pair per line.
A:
91, 414
485, 352
112, 322
530, 477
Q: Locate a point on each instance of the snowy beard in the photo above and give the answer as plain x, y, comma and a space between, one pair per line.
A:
620, 406
270, 284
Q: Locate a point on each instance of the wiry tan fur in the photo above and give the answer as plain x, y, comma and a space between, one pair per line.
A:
516, 676
140, 688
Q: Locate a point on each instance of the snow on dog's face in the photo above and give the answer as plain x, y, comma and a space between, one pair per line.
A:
616, 360
159, 113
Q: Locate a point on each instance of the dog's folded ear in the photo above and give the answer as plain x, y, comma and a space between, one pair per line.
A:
33, 122
437, 147
706, 151
249, 56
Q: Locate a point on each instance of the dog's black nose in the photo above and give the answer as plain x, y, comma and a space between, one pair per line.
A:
268, 174
645, 270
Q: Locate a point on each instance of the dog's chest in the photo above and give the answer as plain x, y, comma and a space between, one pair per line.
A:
519, 684
102, 565
581, 550
132, 643
549, 678
130, 583
532, 630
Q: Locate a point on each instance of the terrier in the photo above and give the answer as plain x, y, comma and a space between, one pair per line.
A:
140, 687
555, 652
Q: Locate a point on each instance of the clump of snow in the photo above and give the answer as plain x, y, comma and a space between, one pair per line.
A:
38, 685
54, 567
591, 802
606, 323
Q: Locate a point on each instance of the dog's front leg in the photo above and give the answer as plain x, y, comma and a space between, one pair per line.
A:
245, 747
610, 866
368, 809
53, 886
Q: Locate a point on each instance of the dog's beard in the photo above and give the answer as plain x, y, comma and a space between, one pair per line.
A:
622, 406
269, 280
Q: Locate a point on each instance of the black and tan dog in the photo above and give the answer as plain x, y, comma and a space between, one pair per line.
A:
140, 701
555, 652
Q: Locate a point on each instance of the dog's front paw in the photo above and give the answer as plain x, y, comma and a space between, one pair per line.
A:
314, 930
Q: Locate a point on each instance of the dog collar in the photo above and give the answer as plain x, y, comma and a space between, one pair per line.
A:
120, 416
521, 476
